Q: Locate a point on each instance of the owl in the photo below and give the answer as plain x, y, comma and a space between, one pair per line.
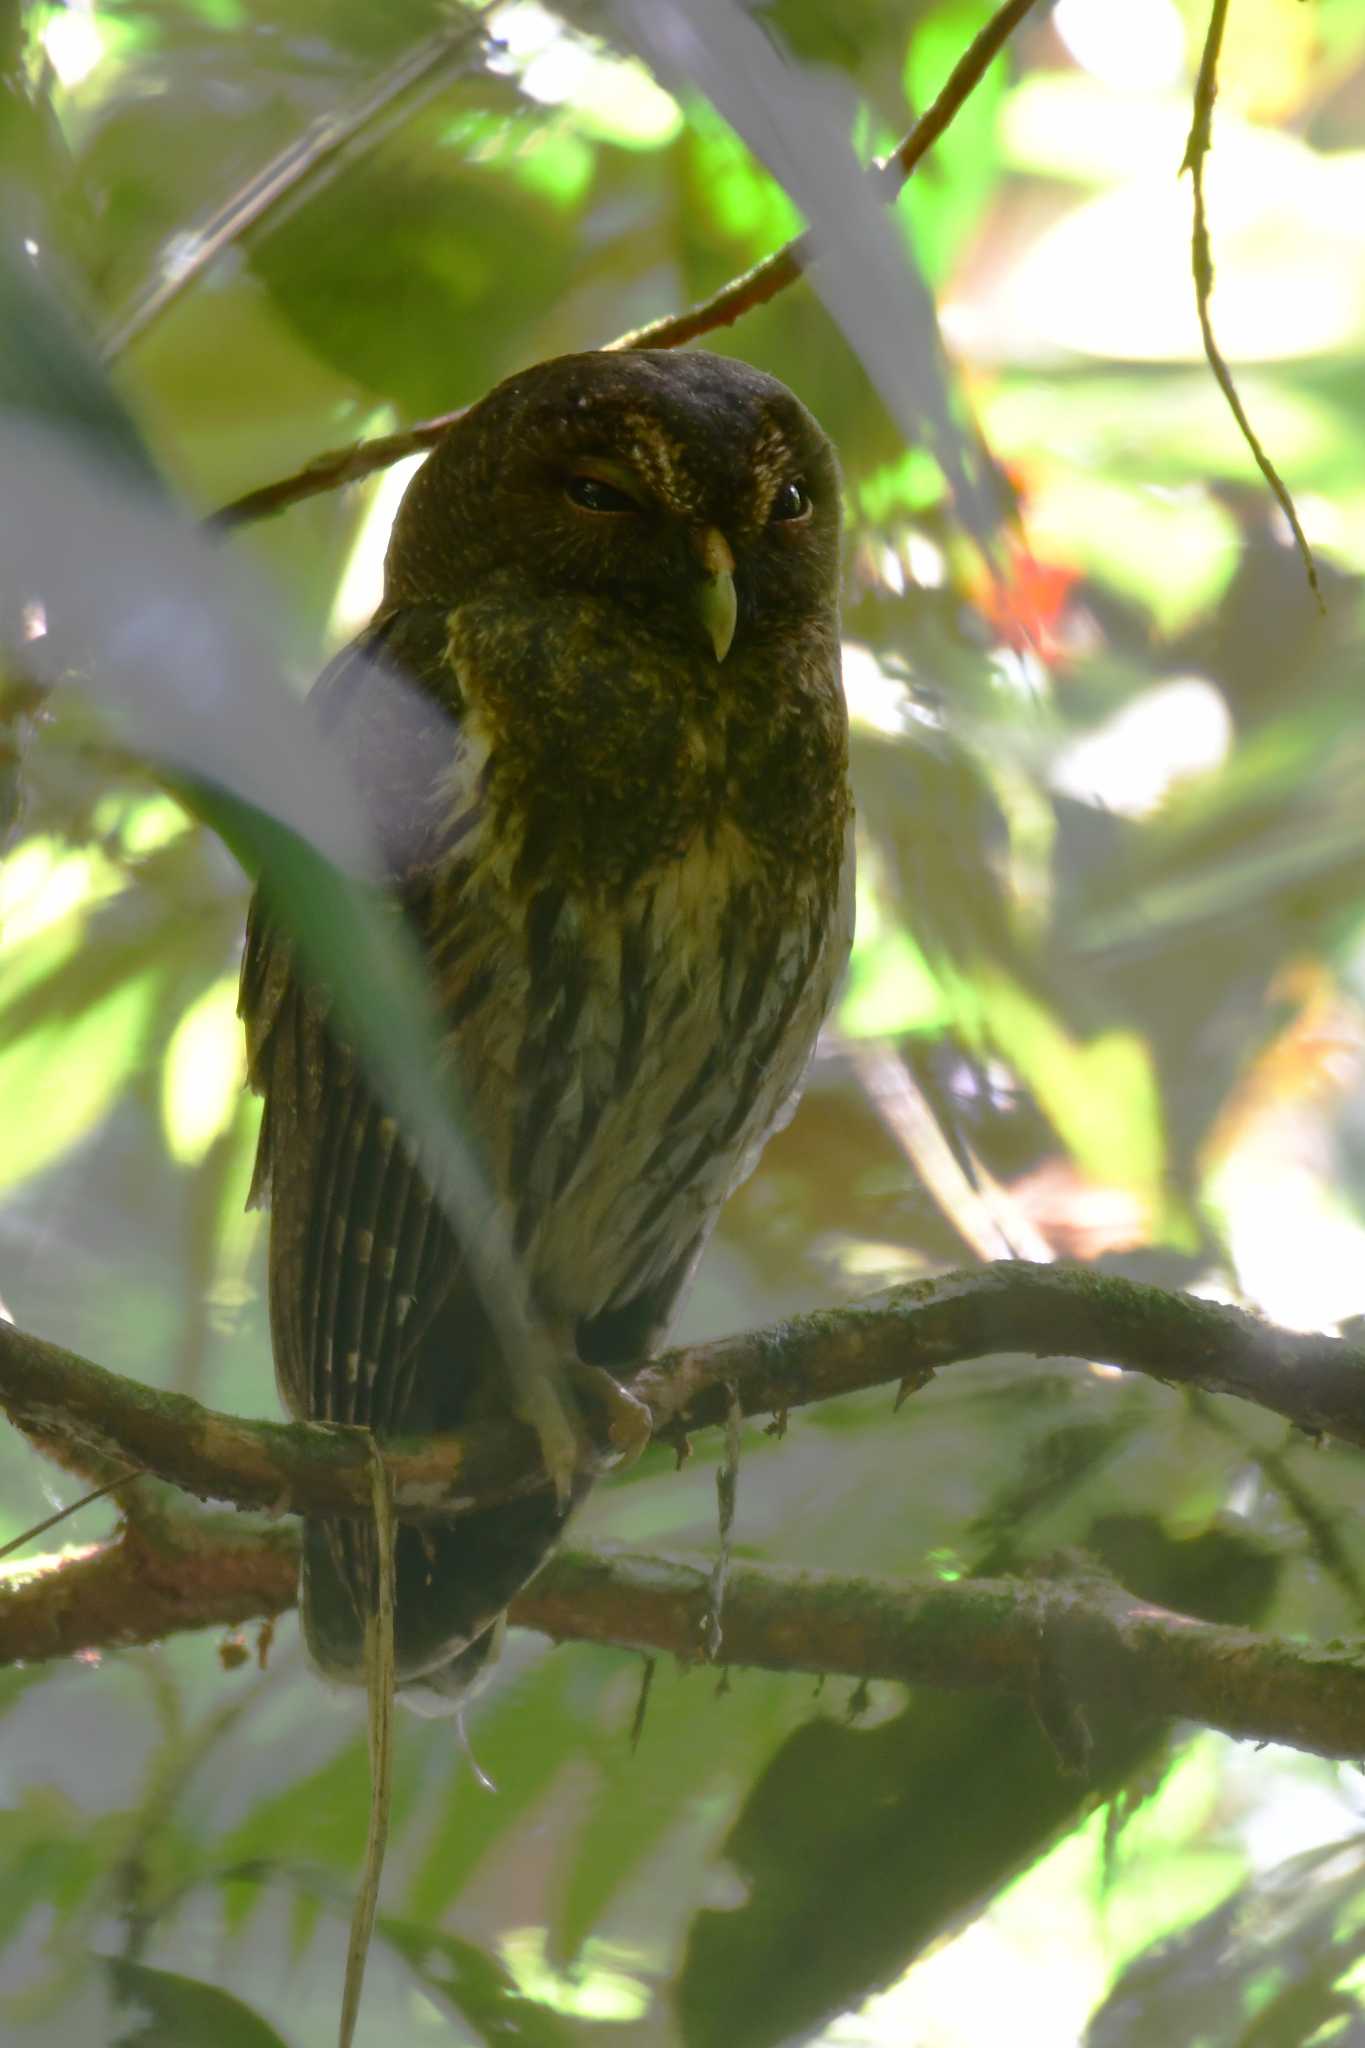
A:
613, 803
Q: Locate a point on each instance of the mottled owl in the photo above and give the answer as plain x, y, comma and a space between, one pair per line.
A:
622, 839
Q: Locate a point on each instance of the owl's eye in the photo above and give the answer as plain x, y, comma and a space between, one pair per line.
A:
792, 502
590, 494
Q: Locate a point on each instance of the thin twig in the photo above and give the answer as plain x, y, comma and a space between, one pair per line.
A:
379, 1680
73, 1508
776, 272
290, 174
1201, 255
338, 466
637, 1725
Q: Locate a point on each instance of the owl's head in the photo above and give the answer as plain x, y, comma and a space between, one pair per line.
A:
691, 489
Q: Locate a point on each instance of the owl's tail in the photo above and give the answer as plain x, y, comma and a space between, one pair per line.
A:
453, 1582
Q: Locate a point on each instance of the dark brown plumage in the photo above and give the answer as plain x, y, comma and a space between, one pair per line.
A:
625, 850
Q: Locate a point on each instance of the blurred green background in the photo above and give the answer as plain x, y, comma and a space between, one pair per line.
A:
1106, 1005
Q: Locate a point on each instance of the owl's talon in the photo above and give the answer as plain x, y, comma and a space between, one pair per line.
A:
560, 1446
629, 1423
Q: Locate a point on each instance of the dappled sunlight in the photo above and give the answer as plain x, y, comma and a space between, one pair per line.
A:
1160, 738
1105, 1008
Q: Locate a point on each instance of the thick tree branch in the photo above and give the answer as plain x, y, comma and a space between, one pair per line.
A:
86, 1416
209, 1571
338, 466
1022, 1636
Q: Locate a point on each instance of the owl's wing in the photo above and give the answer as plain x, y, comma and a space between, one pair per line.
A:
375, 1315
362, 1258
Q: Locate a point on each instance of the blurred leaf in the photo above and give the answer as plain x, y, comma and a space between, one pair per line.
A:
426, 227
1101, 1097
169, 635
890, 989
159, 2009
48, 375
204, 1073
698, 1744
1265, 1970
796, 122
57, 1081
319, 1818
858, 1848
478, 1989
51, 1859
736, 197
523, 1736
949, 193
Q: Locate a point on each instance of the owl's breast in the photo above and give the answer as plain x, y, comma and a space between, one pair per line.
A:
628, 1055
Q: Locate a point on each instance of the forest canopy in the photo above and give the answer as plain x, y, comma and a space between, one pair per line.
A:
1035, 1684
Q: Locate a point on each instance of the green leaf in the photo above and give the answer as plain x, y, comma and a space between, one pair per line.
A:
59, 1080
427, 225
523, 1735
203, 1073
319, 1818
695, 1749
148, 607
49, 374
160, 2009
476, 1987
885, 1839
1100, 1095
951, 190
1277, 1963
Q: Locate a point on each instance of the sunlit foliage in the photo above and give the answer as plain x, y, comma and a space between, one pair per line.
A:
1111, 784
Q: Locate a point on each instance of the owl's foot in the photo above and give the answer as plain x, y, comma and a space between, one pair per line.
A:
624, 1420
543, 1405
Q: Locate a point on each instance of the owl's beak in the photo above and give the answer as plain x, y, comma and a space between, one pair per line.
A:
718, 603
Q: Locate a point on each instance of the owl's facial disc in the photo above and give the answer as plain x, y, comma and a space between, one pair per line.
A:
612, 491
716, 600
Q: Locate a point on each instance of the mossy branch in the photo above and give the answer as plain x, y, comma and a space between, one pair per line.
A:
1004, 1635
87, 1417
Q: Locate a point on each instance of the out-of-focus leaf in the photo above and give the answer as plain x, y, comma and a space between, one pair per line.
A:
476, 1987
738, 198
796, 121
160, 2009
1266, 1968
694, 1749
523, 1737
148, 606
426, 230
58, 1080
890, 988
203, 1073
51, 1859
48, 377
318, 1819
1100, 1096
859, 1848
949, 193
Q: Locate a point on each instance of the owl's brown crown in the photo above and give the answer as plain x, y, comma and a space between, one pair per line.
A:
680, 445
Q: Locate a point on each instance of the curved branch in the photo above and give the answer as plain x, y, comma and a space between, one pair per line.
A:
210, 1571
338, 466
1006, 1635
86, 1416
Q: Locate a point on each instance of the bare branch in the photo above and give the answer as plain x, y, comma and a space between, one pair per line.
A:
86, 1416
1196, 151
327, 472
